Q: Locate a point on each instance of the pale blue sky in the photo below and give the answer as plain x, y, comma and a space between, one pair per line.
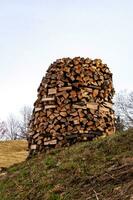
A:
33, 33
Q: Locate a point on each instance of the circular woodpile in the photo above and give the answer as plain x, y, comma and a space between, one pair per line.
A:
74, 104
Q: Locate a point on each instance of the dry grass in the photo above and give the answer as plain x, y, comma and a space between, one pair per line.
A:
12, 152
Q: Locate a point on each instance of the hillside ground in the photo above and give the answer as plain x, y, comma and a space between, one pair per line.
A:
97, 170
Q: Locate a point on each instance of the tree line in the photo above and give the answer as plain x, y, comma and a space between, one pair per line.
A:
123, 105
14, 128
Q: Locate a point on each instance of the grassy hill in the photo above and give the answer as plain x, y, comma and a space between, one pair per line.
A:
99, 170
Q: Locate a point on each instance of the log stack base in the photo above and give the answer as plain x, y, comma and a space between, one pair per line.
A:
74, 104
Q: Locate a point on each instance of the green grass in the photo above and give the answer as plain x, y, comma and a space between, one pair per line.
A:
84, 170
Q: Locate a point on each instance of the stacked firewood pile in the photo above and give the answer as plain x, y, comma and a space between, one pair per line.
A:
74, 104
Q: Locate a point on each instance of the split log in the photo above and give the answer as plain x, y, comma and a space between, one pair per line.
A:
52, 91
48, 99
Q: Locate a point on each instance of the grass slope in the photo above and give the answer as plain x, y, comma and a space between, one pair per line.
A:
99, 170
12, 151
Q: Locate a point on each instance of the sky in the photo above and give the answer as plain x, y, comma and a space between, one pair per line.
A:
34, 33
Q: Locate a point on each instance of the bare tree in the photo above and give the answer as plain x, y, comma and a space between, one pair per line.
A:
13, 130
3, 130
25, 118
119, 124
124, 107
